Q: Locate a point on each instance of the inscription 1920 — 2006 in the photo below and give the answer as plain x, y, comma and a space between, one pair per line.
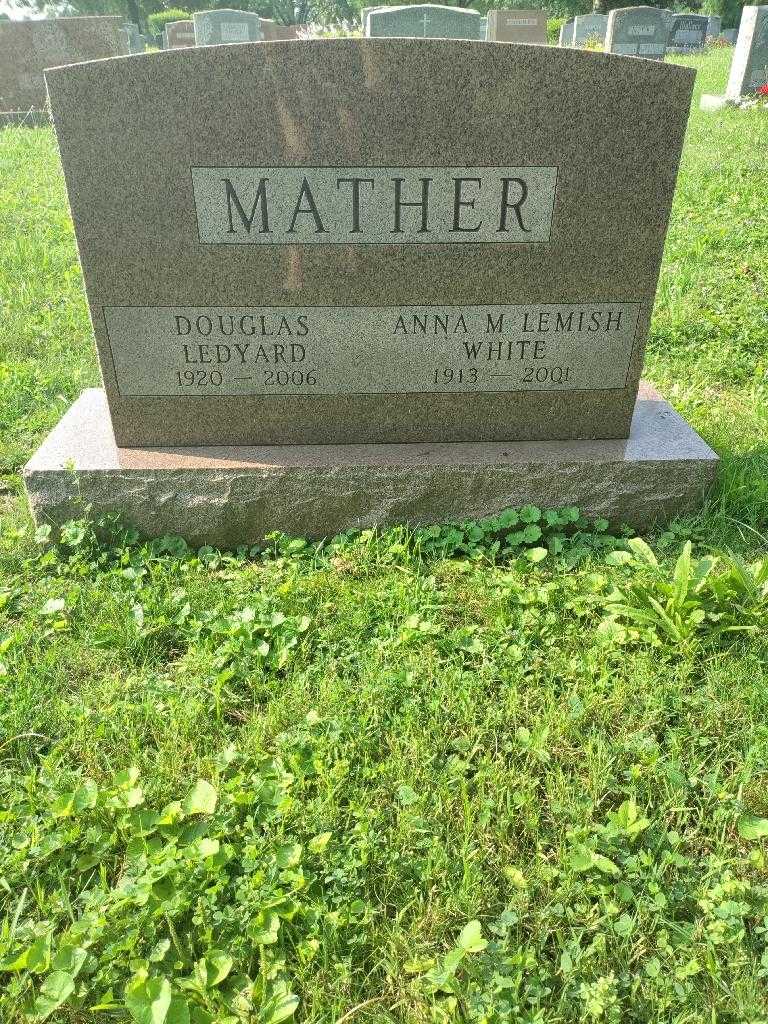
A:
373, 205
329, 350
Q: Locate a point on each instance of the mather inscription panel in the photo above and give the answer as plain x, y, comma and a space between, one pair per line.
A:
370, 240
373, 205
314, 351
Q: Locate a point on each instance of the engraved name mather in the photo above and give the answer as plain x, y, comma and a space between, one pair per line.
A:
373, 205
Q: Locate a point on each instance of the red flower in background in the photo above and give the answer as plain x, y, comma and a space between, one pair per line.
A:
763, 90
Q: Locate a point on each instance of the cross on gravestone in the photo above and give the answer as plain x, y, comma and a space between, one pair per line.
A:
419, 21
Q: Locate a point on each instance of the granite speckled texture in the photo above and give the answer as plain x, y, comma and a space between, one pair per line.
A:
637, 32
126, 129
28, 47
231, 496
519, 25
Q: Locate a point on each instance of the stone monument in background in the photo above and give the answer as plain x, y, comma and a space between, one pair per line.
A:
423, 21
179, 33
637, 32
589, 26
687, 33
352, 297
517, 26
28, 47
749, 65
226, 26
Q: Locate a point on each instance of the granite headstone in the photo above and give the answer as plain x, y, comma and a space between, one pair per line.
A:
28, 47
589, 27
517, 26
566, 34
687, 33
424, 21
749, 67
179, 33
714, 24
226, 26
637, 32
384, 273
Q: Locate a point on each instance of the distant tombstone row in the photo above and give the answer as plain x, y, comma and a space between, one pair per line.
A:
28, 47
422, 21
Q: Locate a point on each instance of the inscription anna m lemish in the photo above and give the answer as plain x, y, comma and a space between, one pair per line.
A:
373, 205
368, 350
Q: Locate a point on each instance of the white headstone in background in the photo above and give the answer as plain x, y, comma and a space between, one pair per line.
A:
749, 67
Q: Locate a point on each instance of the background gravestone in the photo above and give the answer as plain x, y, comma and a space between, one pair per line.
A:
28, 47
566, 34
271, 30
749, 67
589, 26
482, 31
714, 24
134, 40
637, 32
432, 21
226, 26
179, 33
730, 34
688, 33
517, 26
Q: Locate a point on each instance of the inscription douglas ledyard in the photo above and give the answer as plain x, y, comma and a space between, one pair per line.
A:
373, 205
367, 350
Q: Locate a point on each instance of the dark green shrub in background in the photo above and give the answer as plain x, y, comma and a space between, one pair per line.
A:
160, 19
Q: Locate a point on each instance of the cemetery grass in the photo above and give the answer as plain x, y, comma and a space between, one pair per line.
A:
433, 788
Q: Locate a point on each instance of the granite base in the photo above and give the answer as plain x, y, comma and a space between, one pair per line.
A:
227, 496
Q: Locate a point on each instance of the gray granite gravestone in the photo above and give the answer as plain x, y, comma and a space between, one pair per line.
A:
517, 26
687, 33
730, 34
179, 33
714, 23
482, 31
409, 314
566, 34
749, 65
424, 21
637, 32
28, 47
226, 26
134, 41
588, 27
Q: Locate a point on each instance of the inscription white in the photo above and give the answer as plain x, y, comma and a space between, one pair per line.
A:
373, 205
327, 350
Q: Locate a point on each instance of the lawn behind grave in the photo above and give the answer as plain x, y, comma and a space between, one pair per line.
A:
261, 784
